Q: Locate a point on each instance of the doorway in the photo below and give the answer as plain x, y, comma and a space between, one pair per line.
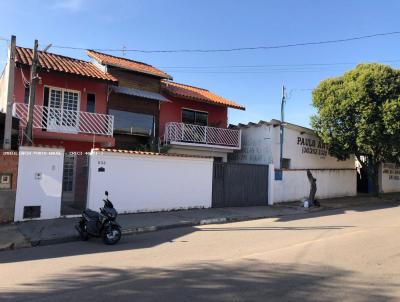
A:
75, 181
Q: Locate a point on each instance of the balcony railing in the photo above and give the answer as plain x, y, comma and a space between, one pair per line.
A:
65, 121
194, 134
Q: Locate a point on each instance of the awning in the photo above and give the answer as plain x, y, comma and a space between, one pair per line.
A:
140, 93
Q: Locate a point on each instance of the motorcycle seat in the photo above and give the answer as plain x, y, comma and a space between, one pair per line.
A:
91, 214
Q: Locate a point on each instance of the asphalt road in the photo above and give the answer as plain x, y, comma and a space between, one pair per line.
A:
327, 256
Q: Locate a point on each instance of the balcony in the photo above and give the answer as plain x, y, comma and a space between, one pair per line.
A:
65, 121
202, 136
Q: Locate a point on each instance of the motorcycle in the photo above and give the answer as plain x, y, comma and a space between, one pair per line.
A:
101, 224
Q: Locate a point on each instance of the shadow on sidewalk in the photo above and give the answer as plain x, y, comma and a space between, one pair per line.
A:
250, 280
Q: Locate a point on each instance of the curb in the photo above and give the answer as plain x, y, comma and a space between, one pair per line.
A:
148, 229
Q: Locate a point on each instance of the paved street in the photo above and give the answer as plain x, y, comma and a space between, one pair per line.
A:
333, 255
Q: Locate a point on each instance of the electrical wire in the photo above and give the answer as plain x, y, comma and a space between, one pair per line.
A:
234, 49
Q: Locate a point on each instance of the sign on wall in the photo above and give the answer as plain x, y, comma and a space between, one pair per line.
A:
392, 170
312, 146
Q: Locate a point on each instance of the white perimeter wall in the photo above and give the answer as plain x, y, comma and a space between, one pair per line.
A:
139, 183
389, 178
40, 172
330, 183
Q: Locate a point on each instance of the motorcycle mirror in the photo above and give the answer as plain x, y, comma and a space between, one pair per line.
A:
106, 193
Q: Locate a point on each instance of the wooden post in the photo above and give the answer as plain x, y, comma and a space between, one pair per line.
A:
10, 93
32, 94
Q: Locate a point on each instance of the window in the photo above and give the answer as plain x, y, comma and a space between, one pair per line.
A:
26, 95
194, 117
132, 122
91, 101
63, 106
285, 163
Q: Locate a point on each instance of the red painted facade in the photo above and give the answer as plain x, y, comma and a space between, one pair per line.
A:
172, 112
71, 142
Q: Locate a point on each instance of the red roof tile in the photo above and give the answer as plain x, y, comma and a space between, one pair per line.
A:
106, 59
60, 63
197, 94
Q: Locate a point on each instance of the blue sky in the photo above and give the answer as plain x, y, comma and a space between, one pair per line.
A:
206, 24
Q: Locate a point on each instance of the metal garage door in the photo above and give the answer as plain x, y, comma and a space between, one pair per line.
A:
236, 185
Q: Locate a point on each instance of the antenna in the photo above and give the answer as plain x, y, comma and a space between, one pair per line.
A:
47, 47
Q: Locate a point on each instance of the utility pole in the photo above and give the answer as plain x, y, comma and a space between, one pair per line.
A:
9, 76
283, 101
32, 93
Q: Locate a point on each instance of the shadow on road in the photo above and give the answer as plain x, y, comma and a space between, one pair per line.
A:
134, 242
249, 280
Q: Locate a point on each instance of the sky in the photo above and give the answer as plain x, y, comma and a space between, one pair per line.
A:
206, 24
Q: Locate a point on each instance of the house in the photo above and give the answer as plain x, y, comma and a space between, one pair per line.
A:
135, 102
195, 121
71, 101
150, 109
301, 150
70, 112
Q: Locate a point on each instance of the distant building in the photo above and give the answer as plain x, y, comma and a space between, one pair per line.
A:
302, 150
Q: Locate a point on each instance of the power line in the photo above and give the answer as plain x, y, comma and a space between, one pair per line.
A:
276, 65
238, 48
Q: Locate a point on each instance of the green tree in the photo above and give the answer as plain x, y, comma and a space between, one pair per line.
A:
358, 114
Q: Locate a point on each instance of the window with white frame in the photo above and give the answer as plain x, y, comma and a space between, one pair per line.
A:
63, 106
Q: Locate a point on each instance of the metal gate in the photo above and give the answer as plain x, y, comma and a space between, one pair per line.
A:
239, 185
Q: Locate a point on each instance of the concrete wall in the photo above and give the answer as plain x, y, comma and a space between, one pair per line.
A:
256, 146
40, 172
389, 178
305, 151
9, 165
330, 183
261, 145
139, 183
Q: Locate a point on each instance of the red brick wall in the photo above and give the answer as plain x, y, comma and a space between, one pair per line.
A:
9, 164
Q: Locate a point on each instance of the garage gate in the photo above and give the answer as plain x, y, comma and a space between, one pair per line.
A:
239, 185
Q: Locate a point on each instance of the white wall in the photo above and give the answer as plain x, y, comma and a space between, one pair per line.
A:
40, 172
3, 90
261, 145
148, 182
330, 183
299, 155
256, 146
389, 178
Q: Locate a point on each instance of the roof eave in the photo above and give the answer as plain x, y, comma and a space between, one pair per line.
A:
206, 101
19, 64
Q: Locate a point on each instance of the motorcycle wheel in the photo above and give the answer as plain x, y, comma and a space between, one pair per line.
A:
82, 231
111, 235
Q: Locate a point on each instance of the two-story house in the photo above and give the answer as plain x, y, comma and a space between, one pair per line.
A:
71, 101
135, 102
151, 110
70, 111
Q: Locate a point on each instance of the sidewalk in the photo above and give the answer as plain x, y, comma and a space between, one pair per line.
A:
44, 232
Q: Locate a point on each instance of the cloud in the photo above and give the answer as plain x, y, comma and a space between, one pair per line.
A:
71, 5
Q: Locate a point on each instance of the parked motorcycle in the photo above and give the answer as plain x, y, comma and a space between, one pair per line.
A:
101, 224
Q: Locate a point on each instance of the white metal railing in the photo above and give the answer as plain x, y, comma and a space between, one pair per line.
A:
65, 121
188, 133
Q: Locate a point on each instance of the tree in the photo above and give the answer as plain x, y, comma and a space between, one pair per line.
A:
358, 114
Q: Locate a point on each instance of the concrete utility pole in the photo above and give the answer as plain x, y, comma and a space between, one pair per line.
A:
32, 94
9, 76
283, 101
